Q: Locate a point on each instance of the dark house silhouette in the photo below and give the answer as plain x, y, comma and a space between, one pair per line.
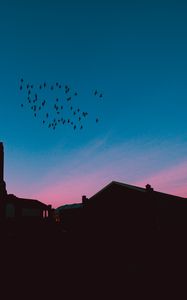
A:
131, 209
15, 208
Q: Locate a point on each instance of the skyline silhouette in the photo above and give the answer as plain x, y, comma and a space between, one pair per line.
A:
93, 176
125, 64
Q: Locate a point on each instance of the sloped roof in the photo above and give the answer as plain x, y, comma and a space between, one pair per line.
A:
25, 201
69, 206
135, 188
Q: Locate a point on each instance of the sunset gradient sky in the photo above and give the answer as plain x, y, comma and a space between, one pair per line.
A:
132, 51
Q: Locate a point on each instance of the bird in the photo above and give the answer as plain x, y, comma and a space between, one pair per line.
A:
21, 105
32, 86
44, 84
28, 86
84, 114
101, 95
56, 99
61, 107
75, 94
71, 107
43, 121
35, 114
56, 83
21, 87
52, 87
78, 109
47, 115
21, 80
29, 92
40, 87
97, 120
95, 93
69, 98
60, 86
74, 113
81, 127
79, 118
74, 127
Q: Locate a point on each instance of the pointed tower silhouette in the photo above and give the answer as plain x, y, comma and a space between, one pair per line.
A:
3, 192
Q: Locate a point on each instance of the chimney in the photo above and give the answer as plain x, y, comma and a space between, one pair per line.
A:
1, 162
84, 199
3, 191
149, 188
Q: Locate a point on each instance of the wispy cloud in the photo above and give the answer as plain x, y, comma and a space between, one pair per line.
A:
86, 170
170, 180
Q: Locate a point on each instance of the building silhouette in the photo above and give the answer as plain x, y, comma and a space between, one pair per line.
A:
135, 210
15, 208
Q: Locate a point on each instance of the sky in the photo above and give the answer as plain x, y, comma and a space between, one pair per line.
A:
134, 53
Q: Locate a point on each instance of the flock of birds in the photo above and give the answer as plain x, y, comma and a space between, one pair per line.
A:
57, 110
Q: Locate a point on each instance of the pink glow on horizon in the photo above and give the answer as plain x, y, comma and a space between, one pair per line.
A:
86, 171
71, 190
172, 180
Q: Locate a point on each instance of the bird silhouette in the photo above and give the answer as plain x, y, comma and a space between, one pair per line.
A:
54, 109
21, 80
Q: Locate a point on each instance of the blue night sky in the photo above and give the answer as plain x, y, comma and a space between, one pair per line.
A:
134, 52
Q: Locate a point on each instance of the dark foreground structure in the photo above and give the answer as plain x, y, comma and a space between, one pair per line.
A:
124, 242
15, 208
137, 232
